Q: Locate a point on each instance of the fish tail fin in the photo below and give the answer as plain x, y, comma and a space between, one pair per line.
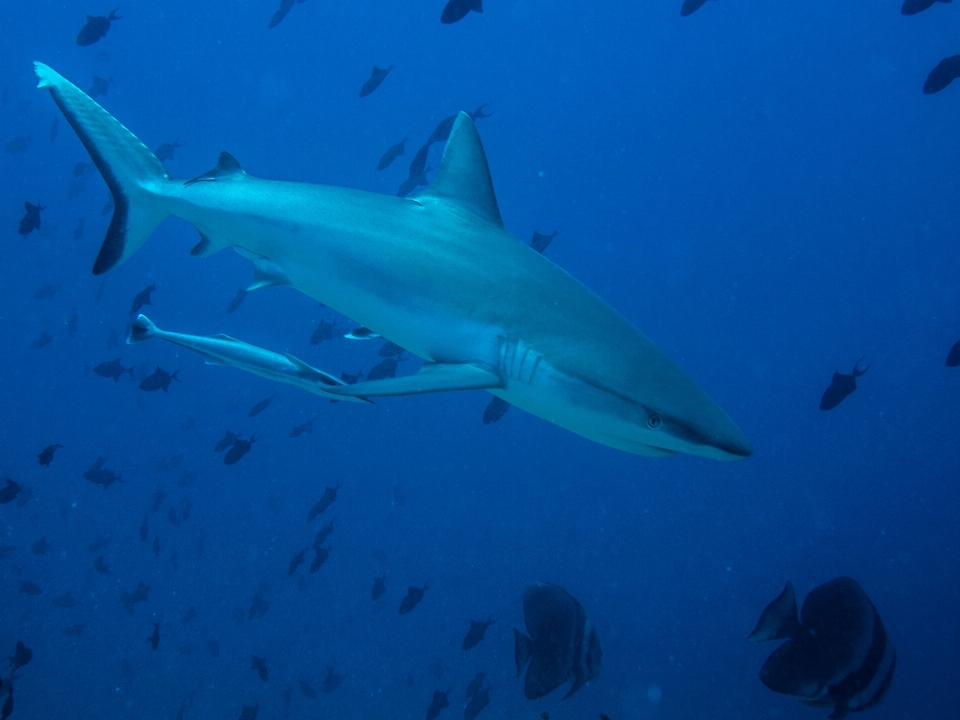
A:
779, 619
141, 329
174, 376
134, 175
522, 650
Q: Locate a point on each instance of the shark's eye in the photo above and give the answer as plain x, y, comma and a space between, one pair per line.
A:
654, 421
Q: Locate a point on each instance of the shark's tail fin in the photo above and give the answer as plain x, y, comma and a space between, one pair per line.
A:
142, 329
133, 174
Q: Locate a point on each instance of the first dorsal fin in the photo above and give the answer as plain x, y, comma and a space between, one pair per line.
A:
227, 166
464, 176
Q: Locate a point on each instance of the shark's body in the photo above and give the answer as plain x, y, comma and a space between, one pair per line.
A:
438, 274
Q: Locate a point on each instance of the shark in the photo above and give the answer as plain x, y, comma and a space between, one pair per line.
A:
436, 273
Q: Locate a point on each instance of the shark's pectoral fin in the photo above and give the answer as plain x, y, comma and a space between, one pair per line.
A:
266, 273
433, 377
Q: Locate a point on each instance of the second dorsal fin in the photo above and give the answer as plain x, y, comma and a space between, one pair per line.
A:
227, 166
464, 176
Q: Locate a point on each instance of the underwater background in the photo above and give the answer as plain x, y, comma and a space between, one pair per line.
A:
761, 188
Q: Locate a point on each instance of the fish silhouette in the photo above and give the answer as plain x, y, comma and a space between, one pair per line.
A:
456, 10
689, 7
953, 357
142, 298
946, 71
167, 150
478, 630
154, 638
841, 386
31, 218
495, 410
285, 7
377, 76
261, 406
296, 561
912, 7
307, 690
438, 703
100, 86
541, 242
260, 665
379, 587
239, 448
96, 28
46, 455
159, 379
299, 430
237, 300
413, 597
321, 506
9, 492
332, 681
392, 153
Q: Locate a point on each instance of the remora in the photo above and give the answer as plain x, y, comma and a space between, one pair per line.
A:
436, 273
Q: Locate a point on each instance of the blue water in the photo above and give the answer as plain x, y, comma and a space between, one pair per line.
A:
760, 187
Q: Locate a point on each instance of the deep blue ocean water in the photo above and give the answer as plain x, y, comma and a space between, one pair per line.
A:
760, 187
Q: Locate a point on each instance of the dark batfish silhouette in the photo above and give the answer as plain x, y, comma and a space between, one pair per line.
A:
99, 475
841, 386
22, 655
390, 349
112, 369
328, 499
332, 681
226, 441
476, 632
101, 566
413, 598
285, 7
239, 448
386, 368
40, 547
946, 71
912, 7
31, 218
541, 242
837, 654
307, 690
260, 406
154, 638
299, 430
392, 153
457, 10
30, 588
379, 587
129, 600
46, 455
167, 150
438, 703
322, 535
441, 132
478, 701
249, 712
7, 709
9, 492
953, 357
689, 7
377, 76
160, 379
158, 497
258, 607
260, 665
96, 28
351, 378
296, 561
474, 685
323, 554
495, 410
237, 300
563, 642
418, 165
42, 341
100, 86
142, 298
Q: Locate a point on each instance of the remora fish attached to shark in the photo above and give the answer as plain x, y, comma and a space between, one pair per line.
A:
436, 273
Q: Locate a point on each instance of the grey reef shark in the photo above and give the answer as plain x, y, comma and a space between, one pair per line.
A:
437, 273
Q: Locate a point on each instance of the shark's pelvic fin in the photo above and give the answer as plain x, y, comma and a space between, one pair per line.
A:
464, 176
266, 273
131, 171
433, 377
227, 167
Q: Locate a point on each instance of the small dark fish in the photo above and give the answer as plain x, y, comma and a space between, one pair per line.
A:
946, 71
478, 701
237, 300
73, 323
379, 587
689, 7
438, 703
239, 448
167, 151
418, 165
99, 475
145, 527
392, 153
837, 654
602, 717
77, 234
249, 712
260, 665
386, 368
260, 406
299, 430
101, 566
258, 607
332, 681
953, 357
456, 10
912, 7
65, 601
154, 638
361, 333
408, 186
563, 642
96, 28
190, 614
130, 599
160, 379
42, 341
158, 497
541, 242
478, 629
41, 546
226, 441
413, 598
296, 561
22, 655
30, 588
841, 386
46, 292
75, 630
307, 690
323, 554
112, 369
18, 145
31, 218
323, 332
142, 298
281, 13
329, 497
46, 455
54, 127
156, 546
101, 543
322, 535
7, 709
9, 492
377, 76
351, 378
390, 349
495, 410
100, 86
